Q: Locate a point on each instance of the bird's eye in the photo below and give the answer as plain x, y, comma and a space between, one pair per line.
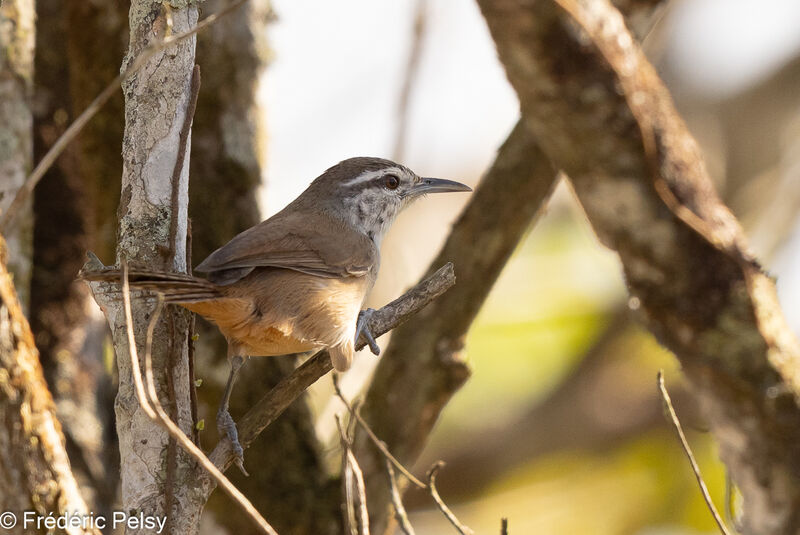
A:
391, 181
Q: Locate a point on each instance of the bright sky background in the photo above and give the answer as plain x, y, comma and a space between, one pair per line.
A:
333, 87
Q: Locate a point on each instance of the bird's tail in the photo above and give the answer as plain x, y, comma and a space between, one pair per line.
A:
176, 287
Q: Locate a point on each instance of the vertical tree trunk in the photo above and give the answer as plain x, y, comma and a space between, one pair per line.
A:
156, 99
16, 148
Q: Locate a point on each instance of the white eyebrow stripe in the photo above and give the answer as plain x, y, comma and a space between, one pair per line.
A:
366, 176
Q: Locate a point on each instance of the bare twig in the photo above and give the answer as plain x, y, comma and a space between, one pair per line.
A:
461, 528
391, 460
183, 143
77, 125
172, 447
412, 69
350, 523
286, 391
397, 500
351, 470
153, 409
191, 342
375, 440
673, 417
503, 526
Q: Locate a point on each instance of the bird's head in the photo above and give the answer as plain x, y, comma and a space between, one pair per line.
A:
370, 192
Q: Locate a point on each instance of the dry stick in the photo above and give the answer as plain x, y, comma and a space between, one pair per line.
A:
673, 417
461, 528
399, 510
347, 485
172, 447
77, 125
503, 526
153, 409
190, 343
430, 486
381, 445
183, 143
351, 467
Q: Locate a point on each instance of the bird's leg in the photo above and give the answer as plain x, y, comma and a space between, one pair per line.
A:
225, 424
362, 326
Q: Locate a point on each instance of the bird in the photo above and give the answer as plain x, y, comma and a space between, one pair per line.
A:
297, 282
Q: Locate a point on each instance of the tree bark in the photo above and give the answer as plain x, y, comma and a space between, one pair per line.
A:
601, 113
35, 474
154, 191
17, 39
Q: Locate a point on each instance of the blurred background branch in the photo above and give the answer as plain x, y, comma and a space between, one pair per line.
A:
697, 290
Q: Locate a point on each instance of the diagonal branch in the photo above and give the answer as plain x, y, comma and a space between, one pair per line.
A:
423, 365
289, 389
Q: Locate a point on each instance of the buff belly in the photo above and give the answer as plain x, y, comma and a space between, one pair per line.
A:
277, 312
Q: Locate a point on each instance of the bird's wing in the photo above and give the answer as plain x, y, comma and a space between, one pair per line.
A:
311, 243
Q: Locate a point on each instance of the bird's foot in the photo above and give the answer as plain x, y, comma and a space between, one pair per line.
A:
362, 327
227, 427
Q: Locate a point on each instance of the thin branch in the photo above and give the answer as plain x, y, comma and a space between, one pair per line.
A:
381, 445
399, 510
461, 528
191, 342
77, 125
153, 409
349, 513
183, 143
390, 459
351, 467
272, 405
503, 526
673, 417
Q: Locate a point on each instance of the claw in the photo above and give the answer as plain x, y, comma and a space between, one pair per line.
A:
227, 427
225, 424
362, 327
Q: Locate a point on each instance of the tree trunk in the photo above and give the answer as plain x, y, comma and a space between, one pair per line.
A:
154, 191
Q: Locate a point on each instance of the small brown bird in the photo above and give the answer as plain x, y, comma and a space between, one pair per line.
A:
297, 281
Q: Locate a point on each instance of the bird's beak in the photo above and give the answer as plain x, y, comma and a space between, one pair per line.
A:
437, 185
